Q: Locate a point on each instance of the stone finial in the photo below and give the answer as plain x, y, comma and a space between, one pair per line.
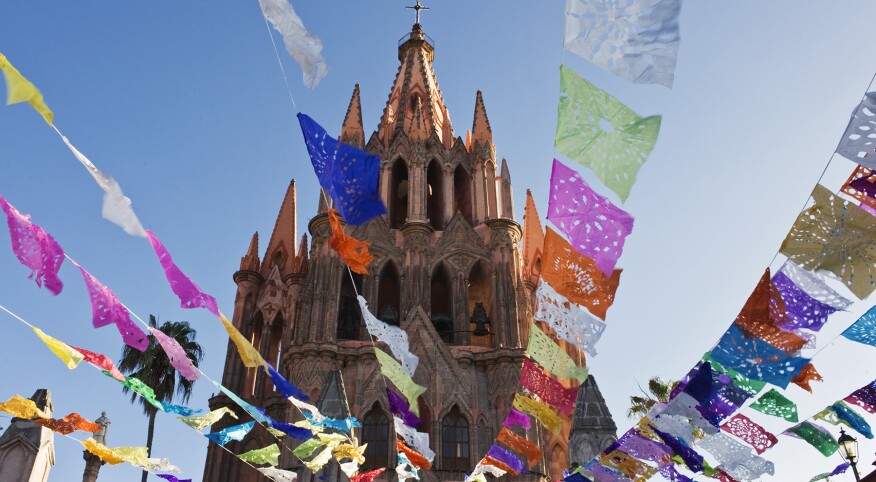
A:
282, 243
352, 132
324, 204
480, 128
251, 261
533, 239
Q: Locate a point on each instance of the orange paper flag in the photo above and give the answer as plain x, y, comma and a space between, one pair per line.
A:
417, 459
351, 250
806, 375
515, 442
501, 465
68, 424
763, 313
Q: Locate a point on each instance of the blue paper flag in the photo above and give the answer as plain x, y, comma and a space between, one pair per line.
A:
285, 386
756, 358
179, 409
852, 419
236, 432
293, 431
863, 330
345, 425
691, 458
348, 174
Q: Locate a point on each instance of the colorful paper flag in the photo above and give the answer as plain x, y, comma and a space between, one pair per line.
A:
19, 89
65, 352
34, 248
189, 294
394, 372
302, 45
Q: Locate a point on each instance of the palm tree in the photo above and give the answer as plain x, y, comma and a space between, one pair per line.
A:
153, 368
659, 392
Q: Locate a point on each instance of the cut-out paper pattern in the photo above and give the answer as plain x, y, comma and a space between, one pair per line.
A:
139, 457
348, 451
755, 358
864, 397
814, 285
858, 143
235, 432
34, 248
515, 442
68, 424
266, 455
394, 337
21, 407
317, 463
500, 465
546, 388
750, 432
349, 175
344, 425
179, 409
302, 45
815, 436
137, 386
482, 468
762, 314
836, 236
294, 431
571, 322
418, 441
540, 411
199, 422
176, 354
116, 206
506, 457
516, 418
307, 448
749, 386
400, 408
601, 473
65, 352
249, 356
258, 414
775, 404
19, 89
596, 227
278, 475
107, 309
405, 469
313, 414
801, 310
628, 466
367, 476
576, 276
635, 41
551, 357
735, 458
689, 456
861, 185
394, 372
101, 451
840, 413
864, 329
807, 375
285, 387
687, 407
354, 252
417, 459
100, 361
600, 132
640, 447
189, 294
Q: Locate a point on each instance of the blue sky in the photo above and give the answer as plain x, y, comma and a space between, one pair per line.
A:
184, 104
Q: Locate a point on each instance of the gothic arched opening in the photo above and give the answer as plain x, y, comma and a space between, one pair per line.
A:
375, 433
442, 314
480, 303
398, 194
389, 295
435, 195
273, 352
558, 461
349, 314
455, 442
462, 193
492, 202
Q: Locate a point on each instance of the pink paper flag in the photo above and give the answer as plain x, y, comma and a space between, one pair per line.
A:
35, 248
750, 432
548, 390
176, 354
100, 361
107, 309
190, 295
596, 227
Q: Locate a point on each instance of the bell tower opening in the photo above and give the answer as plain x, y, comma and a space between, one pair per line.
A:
349, 314
435, 195
398, 194
442, 316
480, 304
389, 295
462, 193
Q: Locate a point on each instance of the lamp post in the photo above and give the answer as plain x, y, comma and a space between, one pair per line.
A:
848, 449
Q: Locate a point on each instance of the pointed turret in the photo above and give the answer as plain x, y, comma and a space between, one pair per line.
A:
480, 127
415, 87
324, 204
506, 193
251, 261
301, 263
592, 425
281, 247
533, 240
352, 132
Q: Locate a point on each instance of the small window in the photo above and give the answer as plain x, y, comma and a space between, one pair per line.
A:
455, 442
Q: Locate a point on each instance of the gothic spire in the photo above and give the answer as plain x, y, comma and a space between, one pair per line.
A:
480, 128
250, 262
352, 132
505, 192
323, 206
533, 240
282, 244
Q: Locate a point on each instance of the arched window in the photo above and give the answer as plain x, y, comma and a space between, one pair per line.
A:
435, 195
480, 304
442, 314
454, 442
462, 193
389, 295
398, 195
375, 433
349, 315
485, 438
558, 462
492, 203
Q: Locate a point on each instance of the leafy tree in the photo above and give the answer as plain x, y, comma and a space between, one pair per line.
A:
153, 368
659, 391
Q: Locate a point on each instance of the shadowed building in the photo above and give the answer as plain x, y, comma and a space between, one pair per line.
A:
27, 450
449, 268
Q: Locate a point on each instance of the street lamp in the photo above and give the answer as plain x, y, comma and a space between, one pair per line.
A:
848, 449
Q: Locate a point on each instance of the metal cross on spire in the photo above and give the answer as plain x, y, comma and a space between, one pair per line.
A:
417, 8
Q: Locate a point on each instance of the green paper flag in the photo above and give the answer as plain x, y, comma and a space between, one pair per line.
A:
392, 370
748, 385
306, 449
600, 132
816, 438
775, 404
268, 455
137, 386
544, 351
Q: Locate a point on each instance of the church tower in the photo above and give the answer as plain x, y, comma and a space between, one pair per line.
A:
448, 268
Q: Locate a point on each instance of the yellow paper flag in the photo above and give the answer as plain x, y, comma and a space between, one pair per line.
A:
101, 451
347, 451
540, 411
198, 422
19, 89
321, 459
21, 407
544, 351
248, 354
65, 352
392, 370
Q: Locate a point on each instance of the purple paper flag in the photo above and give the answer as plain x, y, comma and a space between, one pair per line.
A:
177, 355
400, 408
516, 418
506, 457
107, 309
190, 295
595, 227
802, 310
172, 478
601, 473
632, 443
34, 248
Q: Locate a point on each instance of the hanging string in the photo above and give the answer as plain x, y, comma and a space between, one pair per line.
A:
280, 63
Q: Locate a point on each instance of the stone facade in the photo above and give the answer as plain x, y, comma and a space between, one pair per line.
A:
27, 450
449, 268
